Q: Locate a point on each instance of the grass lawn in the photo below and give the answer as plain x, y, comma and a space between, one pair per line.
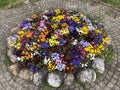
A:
4, 3
115, 3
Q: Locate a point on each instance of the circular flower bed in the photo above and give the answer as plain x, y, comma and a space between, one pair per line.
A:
58, 40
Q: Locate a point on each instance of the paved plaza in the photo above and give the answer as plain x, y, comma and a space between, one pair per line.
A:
110, 17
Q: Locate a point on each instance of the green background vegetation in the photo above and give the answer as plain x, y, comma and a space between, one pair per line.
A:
5, 3
115, 3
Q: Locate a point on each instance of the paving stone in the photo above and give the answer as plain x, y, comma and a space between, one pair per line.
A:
10, 18
116, 88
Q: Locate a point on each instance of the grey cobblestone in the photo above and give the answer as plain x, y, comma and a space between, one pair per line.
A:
10, 18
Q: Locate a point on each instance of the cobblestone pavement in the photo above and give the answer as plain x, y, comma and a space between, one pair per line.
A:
10, 18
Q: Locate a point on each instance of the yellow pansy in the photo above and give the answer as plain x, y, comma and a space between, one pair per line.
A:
59, 17
64, 31
85, 29
90, 49
76, 19
57, 11
54, 37
98, 31
21, 32
101, 46
17, 46
53, 42
51, 66
19, 38
54, 26
104, 40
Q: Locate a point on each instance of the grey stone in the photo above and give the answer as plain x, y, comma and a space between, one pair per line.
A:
54, 79
9, 41
26, 74
87, 75
13, 58
68, 79
14, 69
98, 64
109, 42
14, 30
37, 80
39, 76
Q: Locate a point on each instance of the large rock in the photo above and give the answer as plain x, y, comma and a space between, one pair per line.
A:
87, 76
109, 42
9, 41
54, 79
14, 69
26, 74
12, 57
39, 77
14, 30
68, 79
98, 64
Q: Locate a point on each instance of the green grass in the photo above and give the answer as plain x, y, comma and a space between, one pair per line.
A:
4, 3
115, 3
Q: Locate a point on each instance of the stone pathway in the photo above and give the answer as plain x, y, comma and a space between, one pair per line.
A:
10, 18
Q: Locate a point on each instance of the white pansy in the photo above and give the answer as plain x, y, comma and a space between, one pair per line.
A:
46, 60
60, 67
79, 31
91, 56
84, 64
45, 17
75, 42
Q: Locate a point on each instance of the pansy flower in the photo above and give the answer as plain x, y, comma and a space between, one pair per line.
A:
69, 68
51, 66
60, 66
44, 45
76, 62
84, 43
98, 38
55, 56
46, 60
59, 40
25, 25
62, 42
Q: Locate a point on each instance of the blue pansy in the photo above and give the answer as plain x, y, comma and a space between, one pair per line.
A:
98, 39
34, 69
84, 43
62, 42
55, 56
71, 28
44, 45
76, 62
30, 65
73, 23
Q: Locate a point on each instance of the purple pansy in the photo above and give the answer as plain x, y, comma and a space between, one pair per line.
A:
14, 37
82, 54
55, 56
84, 43
25, 25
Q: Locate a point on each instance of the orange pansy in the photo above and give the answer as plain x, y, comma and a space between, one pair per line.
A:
28, 34
34, 15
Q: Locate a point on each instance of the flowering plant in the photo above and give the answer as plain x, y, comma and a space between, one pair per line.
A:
59, 40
